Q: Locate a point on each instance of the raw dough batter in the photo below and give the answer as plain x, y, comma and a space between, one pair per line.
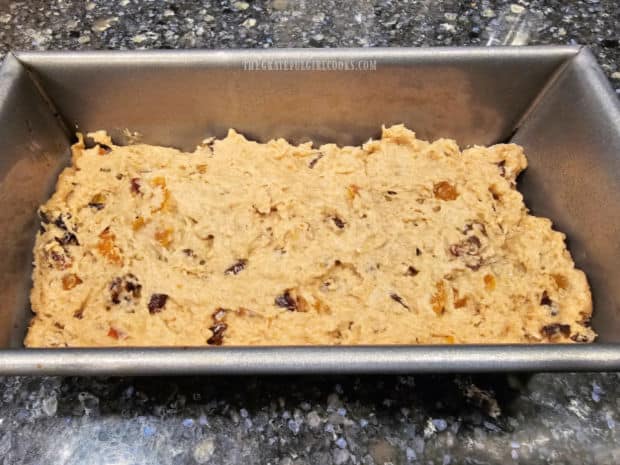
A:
400, 241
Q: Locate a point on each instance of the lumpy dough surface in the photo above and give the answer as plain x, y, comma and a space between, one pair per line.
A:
399, 241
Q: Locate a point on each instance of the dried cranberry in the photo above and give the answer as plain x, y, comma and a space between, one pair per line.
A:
62, 260
545, 300
411, 271
237, 267
315, 160
115, 290
68, 238
338, 222
218, 334
287, 301
125, 288
132, 286
135, 185
157, 303
60, 222
555, 328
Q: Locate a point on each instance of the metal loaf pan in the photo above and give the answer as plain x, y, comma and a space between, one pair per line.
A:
554, 101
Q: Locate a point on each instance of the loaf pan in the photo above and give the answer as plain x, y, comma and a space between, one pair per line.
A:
554, 101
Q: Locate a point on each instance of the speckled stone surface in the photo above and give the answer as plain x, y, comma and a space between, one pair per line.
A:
538, 419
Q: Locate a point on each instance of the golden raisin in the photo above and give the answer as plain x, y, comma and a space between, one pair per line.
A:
438, 299
69, 281
445, 191
107, 248
560, 280
138, 223
352, 191
164, 236
158, 181
321, 307
448, 338
489, 282
460, 303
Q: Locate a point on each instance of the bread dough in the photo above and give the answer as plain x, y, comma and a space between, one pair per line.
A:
399, 241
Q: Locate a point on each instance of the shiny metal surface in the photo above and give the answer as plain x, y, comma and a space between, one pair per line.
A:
553, 99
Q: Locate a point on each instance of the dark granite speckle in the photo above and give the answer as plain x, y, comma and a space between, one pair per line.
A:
540, 419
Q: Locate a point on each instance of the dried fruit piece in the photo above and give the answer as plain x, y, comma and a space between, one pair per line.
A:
79, 313
115, 333
135, 186
97, 202
218, 330
469, 250
43, 216
448, 338
137, 223
125, 288
157, 303
202, 169
237, 267
69, 281
104, 149
286, 300
438, 299
555, 329
445, 191
160, 182
338, 222
411, 271
60, 222
545, 300
395, 297
164, 237
68, 238
352, 192
315, 160
489, 282
392, 192
61, 260
189, 252
106, 247
460, 303
578, 337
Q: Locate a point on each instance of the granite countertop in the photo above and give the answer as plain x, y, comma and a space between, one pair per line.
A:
527, 419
